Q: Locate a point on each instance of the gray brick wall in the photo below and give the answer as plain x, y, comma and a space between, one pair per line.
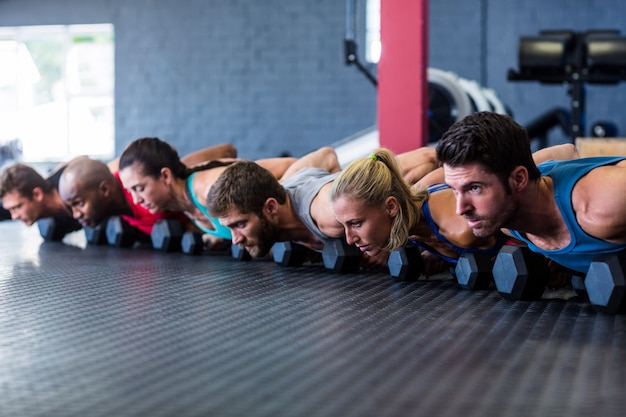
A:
269, 75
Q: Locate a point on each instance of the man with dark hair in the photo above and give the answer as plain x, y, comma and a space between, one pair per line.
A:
260, 210
569, 211
28, 197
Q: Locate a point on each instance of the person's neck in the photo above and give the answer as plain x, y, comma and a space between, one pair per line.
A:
291, 225
539, 217
120, 205
180, 200
54, 205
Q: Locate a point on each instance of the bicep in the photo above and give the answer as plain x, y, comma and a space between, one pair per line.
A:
604, 214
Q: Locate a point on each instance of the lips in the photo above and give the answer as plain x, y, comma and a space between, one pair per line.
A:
473, 223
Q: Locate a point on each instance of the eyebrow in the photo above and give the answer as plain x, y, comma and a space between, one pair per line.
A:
14, 206
234, 222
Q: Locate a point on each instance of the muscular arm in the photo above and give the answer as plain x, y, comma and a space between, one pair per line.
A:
600, 202
324, 158
557, 152
416, 164
224, 150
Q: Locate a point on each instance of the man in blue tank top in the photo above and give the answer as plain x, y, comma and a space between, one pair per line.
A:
570, 211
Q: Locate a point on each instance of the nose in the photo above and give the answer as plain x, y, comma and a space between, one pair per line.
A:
76, 213
136, 198
351, 237
462, 205
236, 237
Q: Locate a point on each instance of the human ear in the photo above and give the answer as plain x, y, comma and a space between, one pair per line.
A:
518, 180
392, 206
270, 206
38, 194
166, 175
104, 188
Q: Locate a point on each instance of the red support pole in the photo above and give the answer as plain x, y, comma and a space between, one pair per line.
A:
402, 75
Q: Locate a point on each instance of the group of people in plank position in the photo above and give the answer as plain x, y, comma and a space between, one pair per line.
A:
480, 188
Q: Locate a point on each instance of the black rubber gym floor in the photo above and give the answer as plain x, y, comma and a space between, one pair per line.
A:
102, 331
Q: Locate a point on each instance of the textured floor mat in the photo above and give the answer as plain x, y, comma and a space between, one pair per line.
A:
101, 331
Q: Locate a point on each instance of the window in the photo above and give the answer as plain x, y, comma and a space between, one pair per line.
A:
57, 91
372, 31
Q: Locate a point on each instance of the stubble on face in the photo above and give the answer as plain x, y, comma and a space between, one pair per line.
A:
268, 234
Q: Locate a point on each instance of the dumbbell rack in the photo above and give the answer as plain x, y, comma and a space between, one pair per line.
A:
574, 59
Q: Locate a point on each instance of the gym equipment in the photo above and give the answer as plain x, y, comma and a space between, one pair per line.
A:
289, 253
473, 271
97, 235
239, 253
167, 235
539, 127
606, 282
578, 285
121, 234
574, 59
476, 95
55, 228
191, 243
520, 274
406, 263
338, 256
604, 129
495, 103
448, 102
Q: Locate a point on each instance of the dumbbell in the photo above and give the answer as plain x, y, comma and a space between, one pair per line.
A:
97, 235
405, 263
55, 228
606, 283
338, 256
239, 253
168, 236
121, 234
289, 253
473, 271
578, 285
520, 274
192, 243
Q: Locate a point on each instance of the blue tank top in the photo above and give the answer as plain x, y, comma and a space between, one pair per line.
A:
491, 252
220, 231
579, 253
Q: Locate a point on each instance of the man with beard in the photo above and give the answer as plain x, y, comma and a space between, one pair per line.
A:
569, 211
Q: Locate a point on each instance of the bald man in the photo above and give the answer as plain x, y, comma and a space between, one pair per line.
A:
94, 194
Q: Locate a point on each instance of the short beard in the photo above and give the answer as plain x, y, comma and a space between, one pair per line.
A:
267, 236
